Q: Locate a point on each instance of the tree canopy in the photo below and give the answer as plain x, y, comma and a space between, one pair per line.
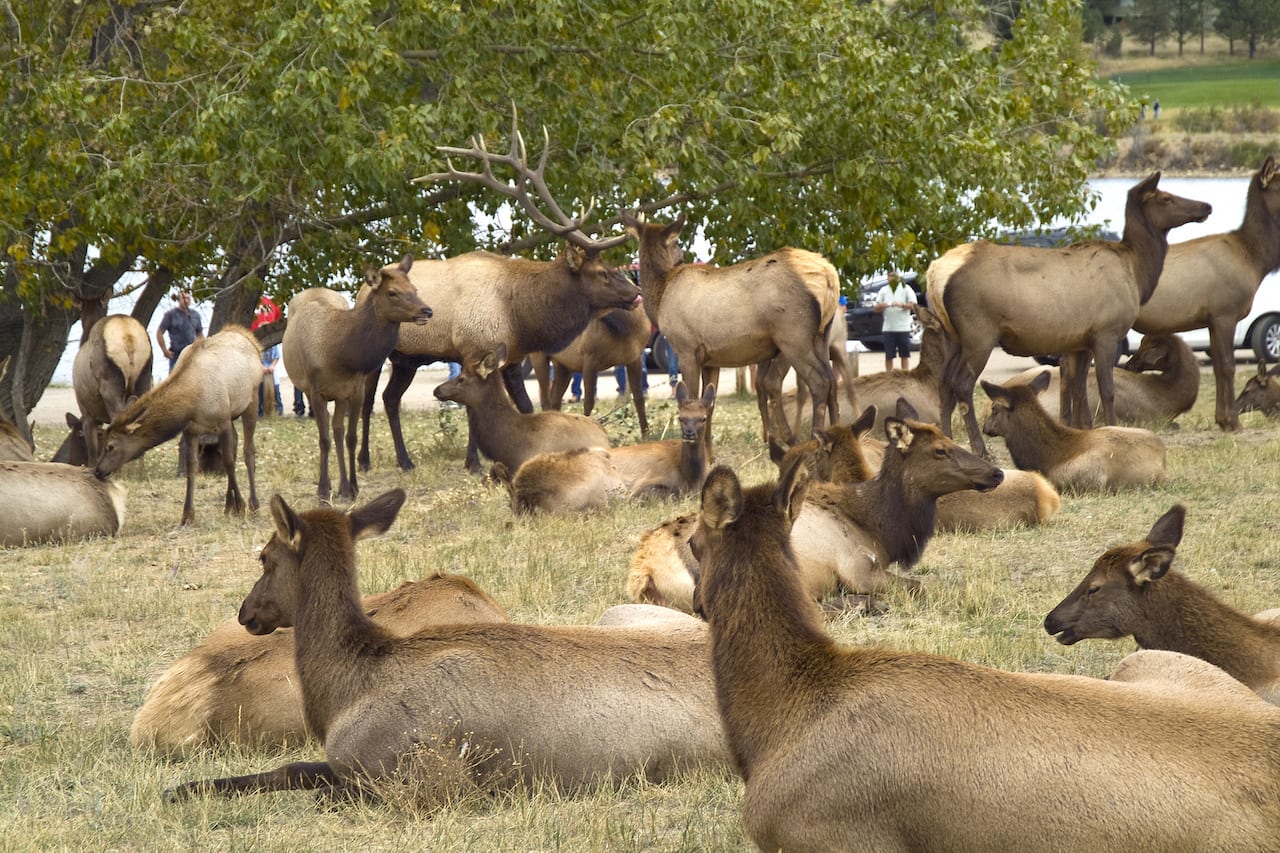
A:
238, 147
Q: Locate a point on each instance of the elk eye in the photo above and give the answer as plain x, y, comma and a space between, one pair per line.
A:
940, 452
1091, 590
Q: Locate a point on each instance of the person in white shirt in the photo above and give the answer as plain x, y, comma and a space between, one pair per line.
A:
893, 303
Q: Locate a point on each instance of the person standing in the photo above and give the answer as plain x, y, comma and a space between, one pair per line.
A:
894, 303
183, 326
265, 314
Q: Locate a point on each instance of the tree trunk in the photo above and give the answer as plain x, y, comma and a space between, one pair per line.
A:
158, 283
33, 346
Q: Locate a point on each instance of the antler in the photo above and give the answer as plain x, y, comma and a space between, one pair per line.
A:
516, 159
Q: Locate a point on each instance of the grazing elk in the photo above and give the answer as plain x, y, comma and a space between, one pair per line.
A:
1132, 590
873, 749
482, 300
479, 707
1211, 281
1261, 393
242, 688
1158, 383
49, 501
329, 349
111, 368
500, 431
13, 446
617, 337
1078, 300
748, 313
214, 382
1102, 459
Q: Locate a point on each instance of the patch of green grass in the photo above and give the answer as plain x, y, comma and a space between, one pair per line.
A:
1235, 83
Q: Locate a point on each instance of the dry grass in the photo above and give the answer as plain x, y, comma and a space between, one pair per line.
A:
86, 627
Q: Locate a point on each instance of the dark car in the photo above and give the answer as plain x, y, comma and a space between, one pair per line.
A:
865, 325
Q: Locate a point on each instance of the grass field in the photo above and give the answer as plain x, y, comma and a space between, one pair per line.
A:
85, 627
1228, 84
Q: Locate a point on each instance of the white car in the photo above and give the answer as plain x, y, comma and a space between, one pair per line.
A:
1258, 331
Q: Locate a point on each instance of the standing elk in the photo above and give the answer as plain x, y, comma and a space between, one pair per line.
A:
111, 368
748, 313
214, 382
329, 349
479, 707
1133, 590
50, 501
873, 749
1159, 382
617, 337
501, 432
1211, 281
1102, 459
482, 300
1261, 393
1078, 300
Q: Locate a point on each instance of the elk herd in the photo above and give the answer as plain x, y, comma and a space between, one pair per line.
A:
840, 748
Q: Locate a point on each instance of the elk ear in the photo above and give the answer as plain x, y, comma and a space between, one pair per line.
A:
74, 423
793, 485
1150, 565
994, 391
1149, 183
721, 498
1041, 383
671, 233
406, 263
372, 277
487, 365
575, 256
631, 223
709, 396
288, 525
375, 517
906, 411
682, 393
865, 421
500, 353
1167, 531
898, 433
1268, 172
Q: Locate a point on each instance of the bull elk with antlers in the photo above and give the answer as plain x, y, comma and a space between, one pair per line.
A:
482, 299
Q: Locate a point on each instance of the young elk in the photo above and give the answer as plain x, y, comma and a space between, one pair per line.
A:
478, 707
111, 368
1261, 393
871, 749
1132, 589
1102, 459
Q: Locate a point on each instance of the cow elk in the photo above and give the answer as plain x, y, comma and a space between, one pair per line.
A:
504, 434
482, 300
329, 349
872, 749
748, 313
1082, 460
1211, 281
473, 707
1133, 590
1079, 300
214, 382
1261, 393
111, 368
51, 502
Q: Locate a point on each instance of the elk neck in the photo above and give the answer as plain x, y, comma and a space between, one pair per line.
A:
1035, 440
366, 338
1260, 230
902, 516
1148, 245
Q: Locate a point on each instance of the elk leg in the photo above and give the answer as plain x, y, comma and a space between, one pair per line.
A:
590, 379
964, 379
635, 378
402, 373
513, 378
1104, 365
344, 445
297, 776
1068, 369
1224, 375
472, 461
191, 453
814, 370
250, 420
773, 420
542, 372
234, 503
366, 414
561, 376
708, 376
320, 406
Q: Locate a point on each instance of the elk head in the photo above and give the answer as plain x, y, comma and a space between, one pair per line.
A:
396, 300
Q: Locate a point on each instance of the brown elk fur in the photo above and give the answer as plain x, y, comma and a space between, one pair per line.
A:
563, 481
480, 707
240, 688
1079, 300
1261, 393
13, 446
918, 386
1102, 459
873, 749
677, 465
112, 367
504, 434
329, 349
748, 313
1211, 281
617, 337
844, 371
49, 501
214, 382
482, 300
1132, 590
1160, 382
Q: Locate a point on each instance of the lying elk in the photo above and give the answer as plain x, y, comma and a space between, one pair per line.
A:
49, 501
329, 349
748, 313
866, 748
1102, 459
214, 382
1261, 393
617, 337
1159, 382
242, 688
1077, 300
1211, 281
482, 300
1132, 590
111, 368
478, 707
504, 434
